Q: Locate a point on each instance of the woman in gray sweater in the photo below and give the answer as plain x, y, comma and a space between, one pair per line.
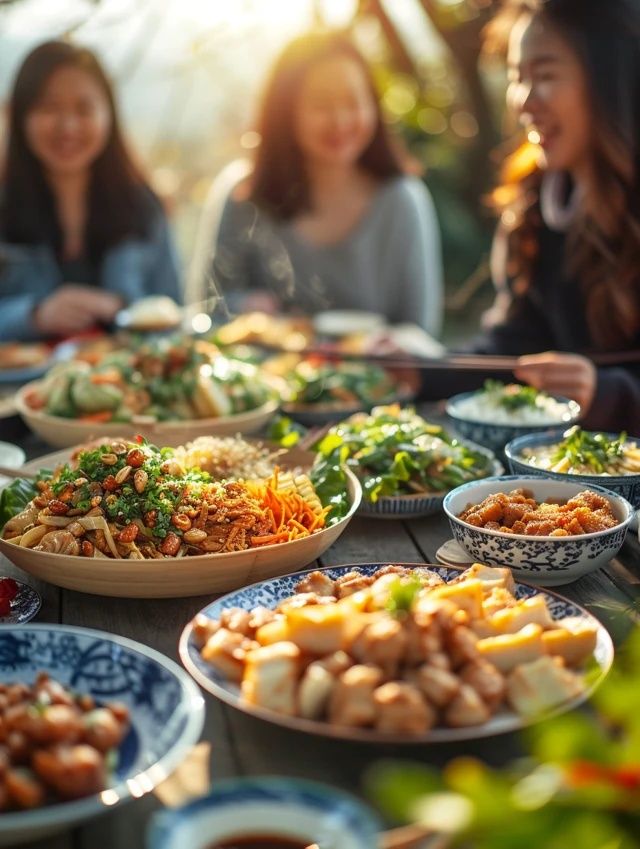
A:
327, 218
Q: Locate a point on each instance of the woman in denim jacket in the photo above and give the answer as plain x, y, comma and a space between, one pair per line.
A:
81, 232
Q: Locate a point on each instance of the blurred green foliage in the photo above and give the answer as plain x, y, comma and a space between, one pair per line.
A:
580, 785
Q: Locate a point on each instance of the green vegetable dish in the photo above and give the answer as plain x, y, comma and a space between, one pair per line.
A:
166, 380
584, 453
339, 385
395, 451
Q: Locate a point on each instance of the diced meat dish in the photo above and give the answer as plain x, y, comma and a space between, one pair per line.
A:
55, 745
400, 651
517, 512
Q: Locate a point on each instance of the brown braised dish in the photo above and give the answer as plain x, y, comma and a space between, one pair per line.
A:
517, 512
54, 744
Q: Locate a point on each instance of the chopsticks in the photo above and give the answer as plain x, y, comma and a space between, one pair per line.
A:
450, 362
454, 362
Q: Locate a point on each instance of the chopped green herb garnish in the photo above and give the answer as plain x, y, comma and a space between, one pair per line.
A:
402, 595
593, 450
512, 396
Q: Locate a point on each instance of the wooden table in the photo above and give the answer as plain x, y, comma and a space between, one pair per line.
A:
240, 745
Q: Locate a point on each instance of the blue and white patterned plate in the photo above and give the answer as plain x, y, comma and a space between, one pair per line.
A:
270, 593
24, 606
166, 708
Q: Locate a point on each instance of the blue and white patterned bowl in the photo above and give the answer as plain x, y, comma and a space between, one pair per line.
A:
495, 436
167, 712
268, 805
544, 560
420, 504
628, 486
270, 593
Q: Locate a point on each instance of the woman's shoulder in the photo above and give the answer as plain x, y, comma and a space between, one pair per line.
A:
404, 204
407, 191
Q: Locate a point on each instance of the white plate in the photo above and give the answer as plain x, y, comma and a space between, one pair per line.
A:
270, 593
61, 352
11, 455
345, 322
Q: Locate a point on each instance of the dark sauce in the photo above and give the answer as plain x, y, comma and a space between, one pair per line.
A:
261, 841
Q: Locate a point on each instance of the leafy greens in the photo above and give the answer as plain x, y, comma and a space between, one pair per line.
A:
397, 452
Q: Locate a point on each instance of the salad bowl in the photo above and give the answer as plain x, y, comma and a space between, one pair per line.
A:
62, 432
318, 390
405, 464
627, 485
480, 416
318, 414
419, 505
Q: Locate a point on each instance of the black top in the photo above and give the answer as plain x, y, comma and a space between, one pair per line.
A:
79, 270
551, 316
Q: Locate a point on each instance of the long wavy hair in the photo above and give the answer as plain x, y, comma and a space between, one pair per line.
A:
120, 202
279, 181
603, 244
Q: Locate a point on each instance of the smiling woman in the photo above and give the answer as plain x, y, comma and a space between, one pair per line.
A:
81, 232
327, 217
567, 251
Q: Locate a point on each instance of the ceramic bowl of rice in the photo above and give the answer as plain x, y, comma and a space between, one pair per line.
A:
496, 414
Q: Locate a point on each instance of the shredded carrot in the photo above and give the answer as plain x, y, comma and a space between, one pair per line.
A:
287, 514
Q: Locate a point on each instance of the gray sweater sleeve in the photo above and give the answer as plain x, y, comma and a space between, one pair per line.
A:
420, 284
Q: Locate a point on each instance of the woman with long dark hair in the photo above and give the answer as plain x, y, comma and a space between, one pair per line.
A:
567, 253
327, 216
81, 232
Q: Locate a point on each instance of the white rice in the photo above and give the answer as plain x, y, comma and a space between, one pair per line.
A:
482, 407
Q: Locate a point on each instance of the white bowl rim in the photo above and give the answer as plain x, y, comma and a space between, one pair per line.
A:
222, 794
74, 811
574, 407
214, 557
542, 438
269, 406
540, 479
